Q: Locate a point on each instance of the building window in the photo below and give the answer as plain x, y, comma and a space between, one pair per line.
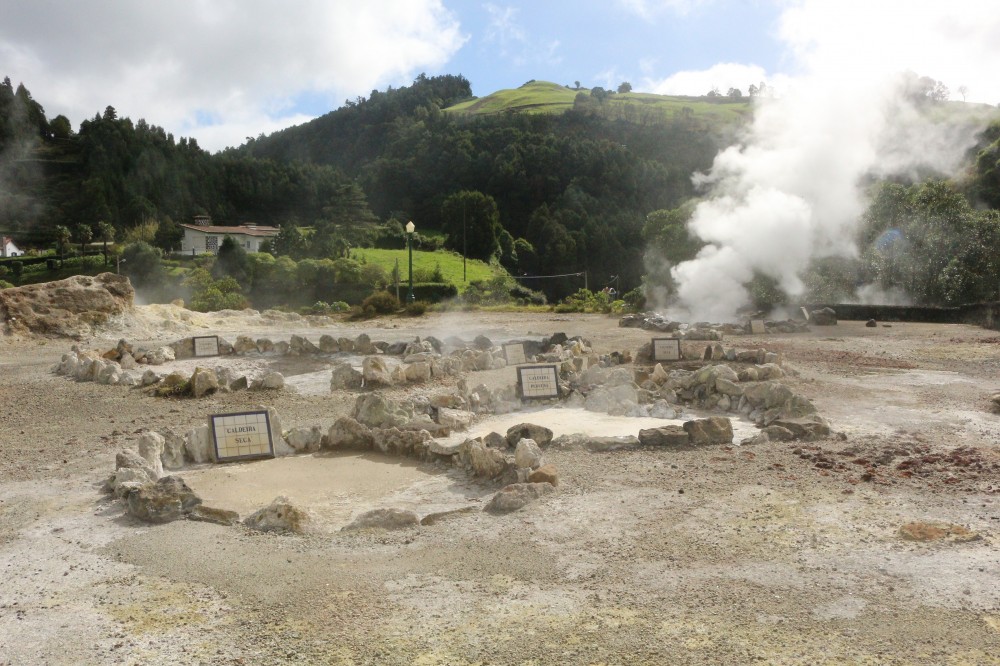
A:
212, 244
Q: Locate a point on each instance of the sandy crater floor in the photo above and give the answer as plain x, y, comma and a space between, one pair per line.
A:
778, 554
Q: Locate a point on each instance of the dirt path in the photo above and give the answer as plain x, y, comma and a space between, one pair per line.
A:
783, 554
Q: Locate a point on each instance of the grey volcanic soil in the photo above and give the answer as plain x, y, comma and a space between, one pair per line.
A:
783, 553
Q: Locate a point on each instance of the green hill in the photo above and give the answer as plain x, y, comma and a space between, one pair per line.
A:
547, 97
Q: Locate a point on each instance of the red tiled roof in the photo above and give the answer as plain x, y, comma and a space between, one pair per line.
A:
234, 231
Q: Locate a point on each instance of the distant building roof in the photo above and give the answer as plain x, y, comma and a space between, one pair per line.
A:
242, 230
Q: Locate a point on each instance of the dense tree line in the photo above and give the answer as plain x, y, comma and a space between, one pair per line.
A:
544, 194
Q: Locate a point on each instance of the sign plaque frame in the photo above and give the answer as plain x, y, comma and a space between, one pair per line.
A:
241, 436
514, 353
538, 382
206, 345
667, 349
757, 327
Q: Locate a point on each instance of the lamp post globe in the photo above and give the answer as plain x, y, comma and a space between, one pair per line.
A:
409, 246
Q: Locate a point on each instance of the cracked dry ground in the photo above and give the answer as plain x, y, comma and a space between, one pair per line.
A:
879, 546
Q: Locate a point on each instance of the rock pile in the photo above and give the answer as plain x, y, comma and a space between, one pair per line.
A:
67, 308
652, 321
127, 367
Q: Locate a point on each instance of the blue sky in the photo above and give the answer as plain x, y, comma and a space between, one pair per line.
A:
222, 70
605, 43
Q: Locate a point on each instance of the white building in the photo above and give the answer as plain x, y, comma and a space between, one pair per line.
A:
8, 249
203, 237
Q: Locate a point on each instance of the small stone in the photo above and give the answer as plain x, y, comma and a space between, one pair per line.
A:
384, 519
527, 454
545, 474
516, 496
279, 516
713, 430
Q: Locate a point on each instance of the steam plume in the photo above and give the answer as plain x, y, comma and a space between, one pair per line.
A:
790, 192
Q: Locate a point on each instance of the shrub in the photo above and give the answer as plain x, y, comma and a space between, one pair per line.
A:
585, 300
417, 308
380, 302
323, 308
635, 299
526, 296
7, 285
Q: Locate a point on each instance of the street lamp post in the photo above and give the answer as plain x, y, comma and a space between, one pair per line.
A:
409, 246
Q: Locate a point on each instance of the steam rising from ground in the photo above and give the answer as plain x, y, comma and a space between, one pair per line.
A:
791, 191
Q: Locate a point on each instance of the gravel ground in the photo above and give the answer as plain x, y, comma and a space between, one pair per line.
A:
786, 553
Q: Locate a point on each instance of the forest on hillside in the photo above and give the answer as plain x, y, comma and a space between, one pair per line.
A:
542, 194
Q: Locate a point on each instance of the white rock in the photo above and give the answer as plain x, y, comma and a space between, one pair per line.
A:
528, 454
456, 419
198, 445
151, 450
304, 439
150, 377
272, 380
281, 447
375, 372
418, 372
173, 450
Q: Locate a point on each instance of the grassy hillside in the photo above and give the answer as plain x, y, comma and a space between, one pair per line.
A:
426, 262
547, 97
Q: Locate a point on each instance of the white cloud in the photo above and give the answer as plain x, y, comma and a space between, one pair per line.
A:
504, 30
243, 64
509, 40
723, 76
648, 8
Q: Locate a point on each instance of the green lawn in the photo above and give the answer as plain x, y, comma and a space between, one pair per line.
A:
547, 97
451, 264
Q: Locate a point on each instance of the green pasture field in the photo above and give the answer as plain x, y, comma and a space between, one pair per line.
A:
450, 262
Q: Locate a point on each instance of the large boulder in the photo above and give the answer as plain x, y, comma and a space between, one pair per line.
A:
162, 502
528, 455
363, 345
328, 344
151, 450
671, 436
300, 345
344, 376
823, 317
516, 496
595, 443
373, 409
304, 440
396, 442
244, 345
376, 372
540, 434
279, 516
809, 427
713, 430
419, 371
172, 456
198, 446
384, 519
347, 433
454, 419
72, 307
482, 460
203, 382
